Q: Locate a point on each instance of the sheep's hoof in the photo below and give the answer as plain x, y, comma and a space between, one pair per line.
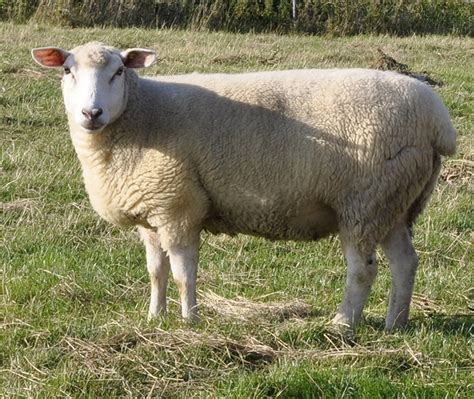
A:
396, 327
192, 318
340, 334
155, 315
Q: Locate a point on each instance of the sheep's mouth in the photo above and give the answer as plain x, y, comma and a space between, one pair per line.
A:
93, 127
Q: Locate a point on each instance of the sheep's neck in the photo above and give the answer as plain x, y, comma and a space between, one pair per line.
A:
92, 150
97, 159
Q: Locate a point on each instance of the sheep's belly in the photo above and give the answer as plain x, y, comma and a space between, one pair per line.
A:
305, 224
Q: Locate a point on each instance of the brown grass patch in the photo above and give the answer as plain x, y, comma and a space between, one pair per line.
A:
18, 205
425, 304
168, 365
164, 360
459, 171
244, 310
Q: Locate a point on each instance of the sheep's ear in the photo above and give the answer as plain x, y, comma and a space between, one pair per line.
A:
50, 57
138, 57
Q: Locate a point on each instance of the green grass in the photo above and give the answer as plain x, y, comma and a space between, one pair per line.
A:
332, 17
74, 290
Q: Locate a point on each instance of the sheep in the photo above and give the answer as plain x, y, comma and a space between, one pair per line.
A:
286, 155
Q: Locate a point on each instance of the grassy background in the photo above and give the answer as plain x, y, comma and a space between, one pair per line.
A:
335, 17
74, 290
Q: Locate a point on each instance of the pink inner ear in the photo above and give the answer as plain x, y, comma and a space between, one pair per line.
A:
138, 59
50, 57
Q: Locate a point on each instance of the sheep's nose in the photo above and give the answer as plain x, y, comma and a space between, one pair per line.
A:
93, 113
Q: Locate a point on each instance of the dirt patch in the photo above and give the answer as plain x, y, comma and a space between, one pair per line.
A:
384, 62
232, 59
25, 72
459, 171
18, 205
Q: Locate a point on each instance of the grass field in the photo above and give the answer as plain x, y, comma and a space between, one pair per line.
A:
74, 290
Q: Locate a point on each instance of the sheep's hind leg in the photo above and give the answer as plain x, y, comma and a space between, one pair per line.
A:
361, 273
158, 266
398, 248
184, 262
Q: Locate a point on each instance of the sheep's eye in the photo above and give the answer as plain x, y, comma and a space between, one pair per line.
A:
67, 71
120, 71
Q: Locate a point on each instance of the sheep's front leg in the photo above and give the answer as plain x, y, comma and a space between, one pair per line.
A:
361, 273
184, 261
158, 266
398, 248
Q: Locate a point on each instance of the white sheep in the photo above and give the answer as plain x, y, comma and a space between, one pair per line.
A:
290, 155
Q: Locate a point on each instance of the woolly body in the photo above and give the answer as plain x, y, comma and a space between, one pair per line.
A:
285, 155
290, 155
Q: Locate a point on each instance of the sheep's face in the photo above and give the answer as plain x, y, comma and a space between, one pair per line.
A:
94, 81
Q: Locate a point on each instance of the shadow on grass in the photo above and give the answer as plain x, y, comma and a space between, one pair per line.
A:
447, 324
455, 324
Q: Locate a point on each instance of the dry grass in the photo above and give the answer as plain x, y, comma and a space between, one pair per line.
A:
459, 171
244, 310
113, 358
18, 205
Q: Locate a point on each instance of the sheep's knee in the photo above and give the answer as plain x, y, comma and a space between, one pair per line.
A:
361, 273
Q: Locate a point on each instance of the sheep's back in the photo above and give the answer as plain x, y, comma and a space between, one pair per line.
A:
279, 153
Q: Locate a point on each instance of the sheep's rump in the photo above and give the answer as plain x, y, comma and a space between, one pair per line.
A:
302, 154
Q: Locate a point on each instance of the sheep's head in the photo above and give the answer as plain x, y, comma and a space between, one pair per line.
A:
94, 81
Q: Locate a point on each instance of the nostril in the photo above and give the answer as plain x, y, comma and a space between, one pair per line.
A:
96, 112
92, 114
87, 113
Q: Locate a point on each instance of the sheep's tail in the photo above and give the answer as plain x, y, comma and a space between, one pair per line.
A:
443, 129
